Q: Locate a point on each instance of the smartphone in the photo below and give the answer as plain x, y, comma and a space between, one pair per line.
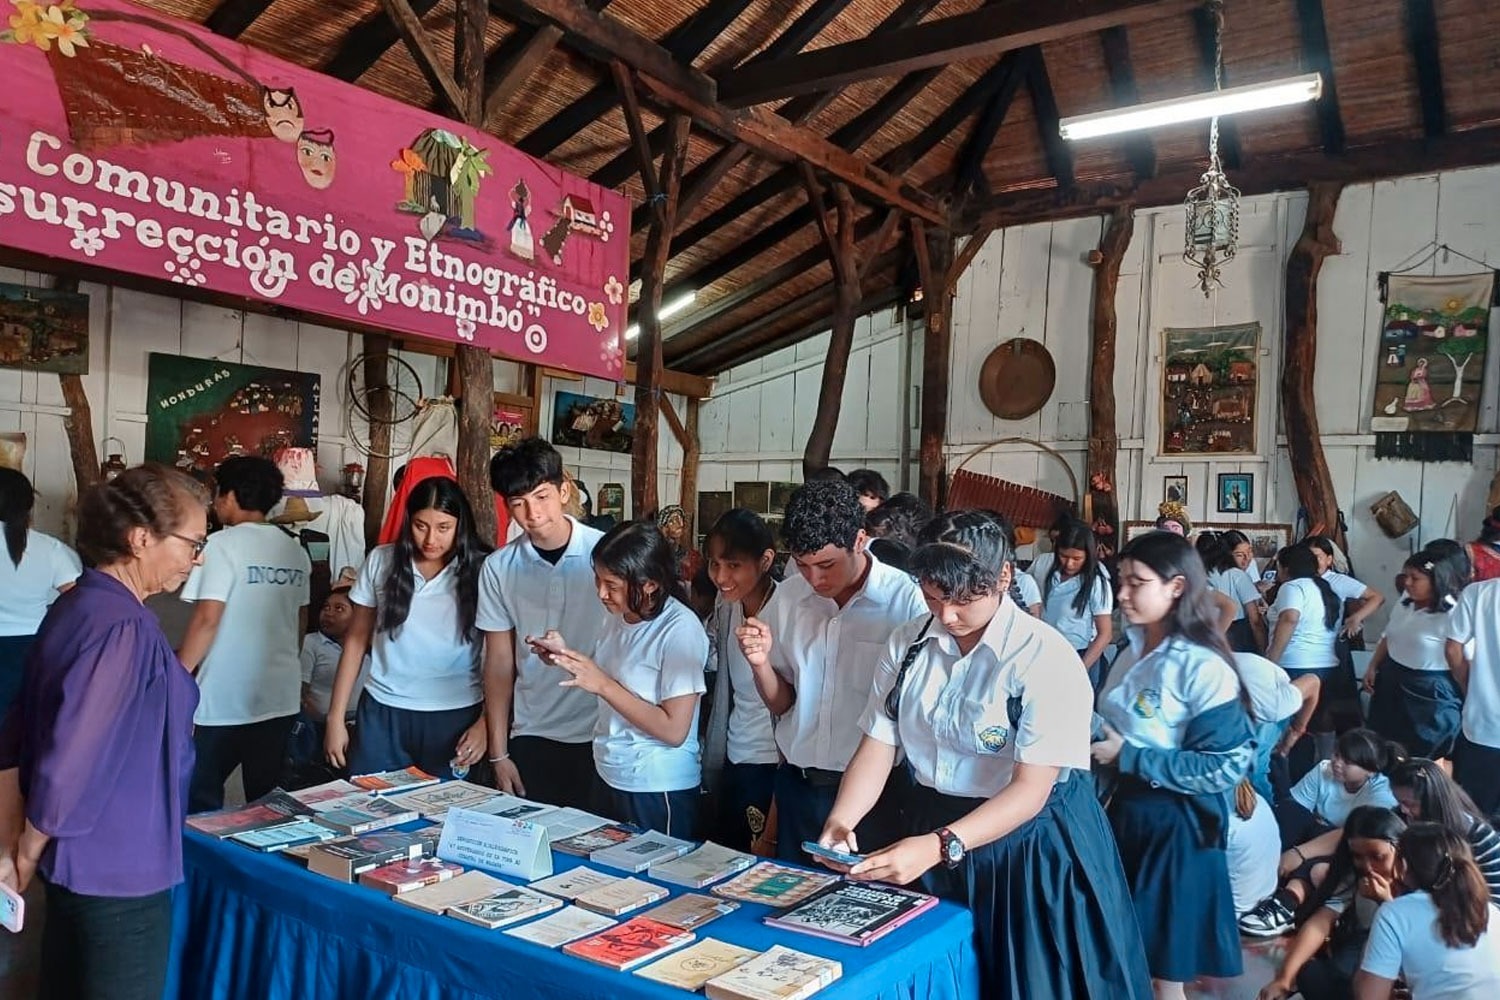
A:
840, 857
12, 910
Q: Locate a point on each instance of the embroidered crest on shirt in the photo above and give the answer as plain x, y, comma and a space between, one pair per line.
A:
992, 739
1147, 703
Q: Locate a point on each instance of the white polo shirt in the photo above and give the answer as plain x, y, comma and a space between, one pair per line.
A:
655, 660
829, 654
954, 721
1344, 586
1404, 942
1476, 619
1272, 696
1321, 794
1311, 644
1237, 585
1417, 639
1057, 608
521, 592
1253, 849
320, 666
31, 587
253, 670
1150, 700
426, 665
1030, 592
752, 737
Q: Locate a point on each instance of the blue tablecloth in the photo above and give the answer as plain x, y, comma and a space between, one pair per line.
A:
261, 927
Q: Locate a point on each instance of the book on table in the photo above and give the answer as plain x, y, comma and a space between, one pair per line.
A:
627, 945
348, 858
508, 806
774, 884
696, 964
361, 813
269, 810
395, 781
434, 801
404, 876
708, 864
327, 791
565, 821
585, 844
558, 928
573, 883
462, 888
778, 974
621, 896
854, 912
505, 907
284, 835
691, 910
640, 853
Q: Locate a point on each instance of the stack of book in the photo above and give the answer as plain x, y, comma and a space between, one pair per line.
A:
280, 836
361, 813
347, 858
772, 884
705, 866
777, 974
584, 844
621, 896
395, 781
557, 929
404, 876
629, 944
640, 853
854, 912
575, 882
691, 910
269, 810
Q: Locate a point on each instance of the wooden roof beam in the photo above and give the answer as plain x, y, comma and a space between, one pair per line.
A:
984, 33
233, 17
1422, 38
969, 174
409, 27
1139, 149
517, 59
367, 41
1316, 57
1044, 102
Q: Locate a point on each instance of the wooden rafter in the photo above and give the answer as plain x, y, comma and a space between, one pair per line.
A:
1104, 439
1317, 57
630, 107
1205, 29
232, 17
1422, 39
838, 240
409, 28
983, 33
372, 38
738, 352
969, 172
965, 257
516, 60
872, 253
1139, 149
1044, 102
934, 255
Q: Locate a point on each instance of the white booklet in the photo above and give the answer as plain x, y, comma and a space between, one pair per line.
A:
557, 929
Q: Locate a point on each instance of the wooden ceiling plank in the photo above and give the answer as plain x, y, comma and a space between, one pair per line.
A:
970, 165
233, 17
409, 27
1206, 31
983, 33
882, 236
630, 107
1054, 146
1422, 38
511, 75
1140, 151
1316, 56
372, 38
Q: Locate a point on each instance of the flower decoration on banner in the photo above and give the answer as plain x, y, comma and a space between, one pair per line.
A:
606, 227
464, 327
609, 351
365, 296
89, 241
614, 291
598, 319
43, 24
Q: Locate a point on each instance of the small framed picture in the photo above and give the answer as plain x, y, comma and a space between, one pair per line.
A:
1236, 493
1174, 489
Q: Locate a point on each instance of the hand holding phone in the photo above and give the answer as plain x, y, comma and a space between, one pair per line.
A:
547, 645
830, 854
12, 909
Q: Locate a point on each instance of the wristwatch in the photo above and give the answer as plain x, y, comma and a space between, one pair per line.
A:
951, 848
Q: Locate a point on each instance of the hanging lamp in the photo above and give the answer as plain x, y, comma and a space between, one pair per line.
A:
1213, 207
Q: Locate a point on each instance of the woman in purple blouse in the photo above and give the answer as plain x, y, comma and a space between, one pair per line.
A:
96, 754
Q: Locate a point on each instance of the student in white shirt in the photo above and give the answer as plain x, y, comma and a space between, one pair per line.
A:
1254, 845
996, 741
740, 755
814, 655
250, 598
1279, 710
1304, 642
540, 735
1473, 651
34, 569
1076, 597
1247, 632
1344, 586
647, 676
1427, 794
414, 608
1414, 697
321, 650
1443, 936
1323, 956
1176, 727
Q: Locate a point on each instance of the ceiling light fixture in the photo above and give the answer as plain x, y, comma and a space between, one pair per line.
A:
668, 310
1196, 107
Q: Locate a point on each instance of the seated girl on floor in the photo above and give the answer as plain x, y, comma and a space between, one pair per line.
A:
1311, 821
1335, 921
1427, 795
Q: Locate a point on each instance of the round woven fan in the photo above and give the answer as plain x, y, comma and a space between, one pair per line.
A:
1017, 379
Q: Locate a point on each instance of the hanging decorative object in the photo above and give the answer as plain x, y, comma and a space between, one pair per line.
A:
1213, 207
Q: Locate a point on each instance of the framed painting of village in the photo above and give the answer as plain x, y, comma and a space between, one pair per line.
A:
1210, 377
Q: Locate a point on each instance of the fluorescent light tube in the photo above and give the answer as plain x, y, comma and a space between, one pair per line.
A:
1195, 107
668, 310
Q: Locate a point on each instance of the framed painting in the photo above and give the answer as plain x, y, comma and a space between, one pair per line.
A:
1266, 539
1209, 381
1236, 493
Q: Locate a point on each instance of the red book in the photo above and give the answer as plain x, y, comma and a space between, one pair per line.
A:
404, 876
627, 945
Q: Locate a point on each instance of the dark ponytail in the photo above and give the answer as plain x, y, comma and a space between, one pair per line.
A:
1368, 750
1440, 863
16, 500
1297, 562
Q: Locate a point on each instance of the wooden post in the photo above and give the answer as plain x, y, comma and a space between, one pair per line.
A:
934, 260
78, 425
1299, 410
688, 495
648, 356
840, 243
1104, 441
381, 406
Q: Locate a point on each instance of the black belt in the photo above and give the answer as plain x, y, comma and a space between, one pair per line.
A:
816, 776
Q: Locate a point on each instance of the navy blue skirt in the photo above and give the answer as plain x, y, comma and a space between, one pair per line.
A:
1420, 709
1051, 908
13, 650
1242, 637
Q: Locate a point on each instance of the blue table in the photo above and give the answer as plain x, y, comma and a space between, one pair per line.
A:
261, 927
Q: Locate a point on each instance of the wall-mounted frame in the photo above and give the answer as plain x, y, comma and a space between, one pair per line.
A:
1236, 493
1266, 539
512, 418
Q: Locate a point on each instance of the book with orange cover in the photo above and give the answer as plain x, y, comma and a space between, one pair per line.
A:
629, 944
395, 781
404, 876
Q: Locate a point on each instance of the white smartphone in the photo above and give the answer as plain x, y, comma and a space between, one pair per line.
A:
840, 857
12, 909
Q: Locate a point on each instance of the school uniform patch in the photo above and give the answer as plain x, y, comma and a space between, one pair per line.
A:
993, 739
1147, 703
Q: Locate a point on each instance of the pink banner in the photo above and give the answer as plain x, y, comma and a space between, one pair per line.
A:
132, 141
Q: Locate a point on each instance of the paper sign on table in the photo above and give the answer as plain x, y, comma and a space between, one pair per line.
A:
508, 846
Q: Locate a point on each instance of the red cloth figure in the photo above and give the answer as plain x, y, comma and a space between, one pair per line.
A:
417, 470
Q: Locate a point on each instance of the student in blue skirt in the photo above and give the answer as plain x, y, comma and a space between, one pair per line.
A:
1000, 813
1247, 632
1176, 726
647, 672
1076, 598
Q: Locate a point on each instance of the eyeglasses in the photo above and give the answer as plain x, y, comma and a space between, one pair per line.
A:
198, 544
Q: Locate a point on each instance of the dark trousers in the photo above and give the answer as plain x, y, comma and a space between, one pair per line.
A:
1477, 770
744, 802
559, 774
672, 813
805, 798
13, 650
104, 947
257, 748
393, 738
